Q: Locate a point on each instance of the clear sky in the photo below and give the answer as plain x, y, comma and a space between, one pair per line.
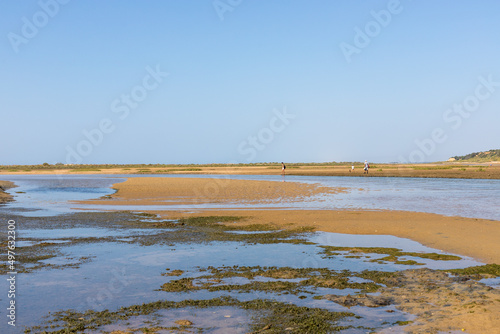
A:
247, 81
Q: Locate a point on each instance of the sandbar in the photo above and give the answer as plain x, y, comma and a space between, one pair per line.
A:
476, 238
182, 190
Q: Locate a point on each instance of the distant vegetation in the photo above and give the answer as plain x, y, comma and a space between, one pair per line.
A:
166, 168
491, 155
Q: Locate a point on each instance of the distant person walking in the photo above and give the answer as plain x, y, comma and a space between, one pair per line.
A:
283, 167
367, 166
352, 169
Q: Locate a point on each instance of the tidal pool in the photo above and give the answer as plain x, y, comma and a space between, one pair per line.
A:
92, 260
122, 271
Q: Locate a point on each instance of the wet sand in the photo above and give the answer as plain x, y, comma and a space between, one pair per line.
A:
477, 238
179, 191
440, 303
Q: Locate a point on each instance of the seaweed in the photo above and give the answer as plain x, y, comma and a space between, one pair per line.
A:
274, 316
393, 254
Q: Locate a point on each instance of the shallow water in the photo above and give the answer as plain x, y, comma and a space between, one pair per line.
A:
220, 320
80, 232
122, 273
475, 198
48, 195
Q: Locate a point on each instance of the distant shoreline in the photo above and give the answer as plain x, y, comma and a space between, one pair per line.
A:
462, 170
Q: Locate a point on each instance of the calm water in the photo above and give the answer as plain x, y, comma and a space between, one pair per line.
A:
40, 195
121, 274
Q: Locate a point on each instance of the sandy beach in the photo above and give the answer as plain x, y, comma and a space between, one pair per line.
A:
477, 238
440, 303
257, 167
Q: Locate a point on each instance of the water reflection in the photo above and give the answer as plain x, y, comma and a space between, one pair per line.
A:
42, 195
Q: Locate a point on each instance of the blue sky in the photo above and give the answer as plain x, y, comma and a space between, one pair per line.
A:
247, 81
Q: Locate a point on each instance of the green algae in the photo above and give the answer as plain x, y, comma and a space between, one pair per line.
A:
274, 316
213, 229
306, 280
281, 317
29, 259
180, 285
488, 270
175, 272
393, 254
380, 277
436, 256
216, 228
188, 230
209, 229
